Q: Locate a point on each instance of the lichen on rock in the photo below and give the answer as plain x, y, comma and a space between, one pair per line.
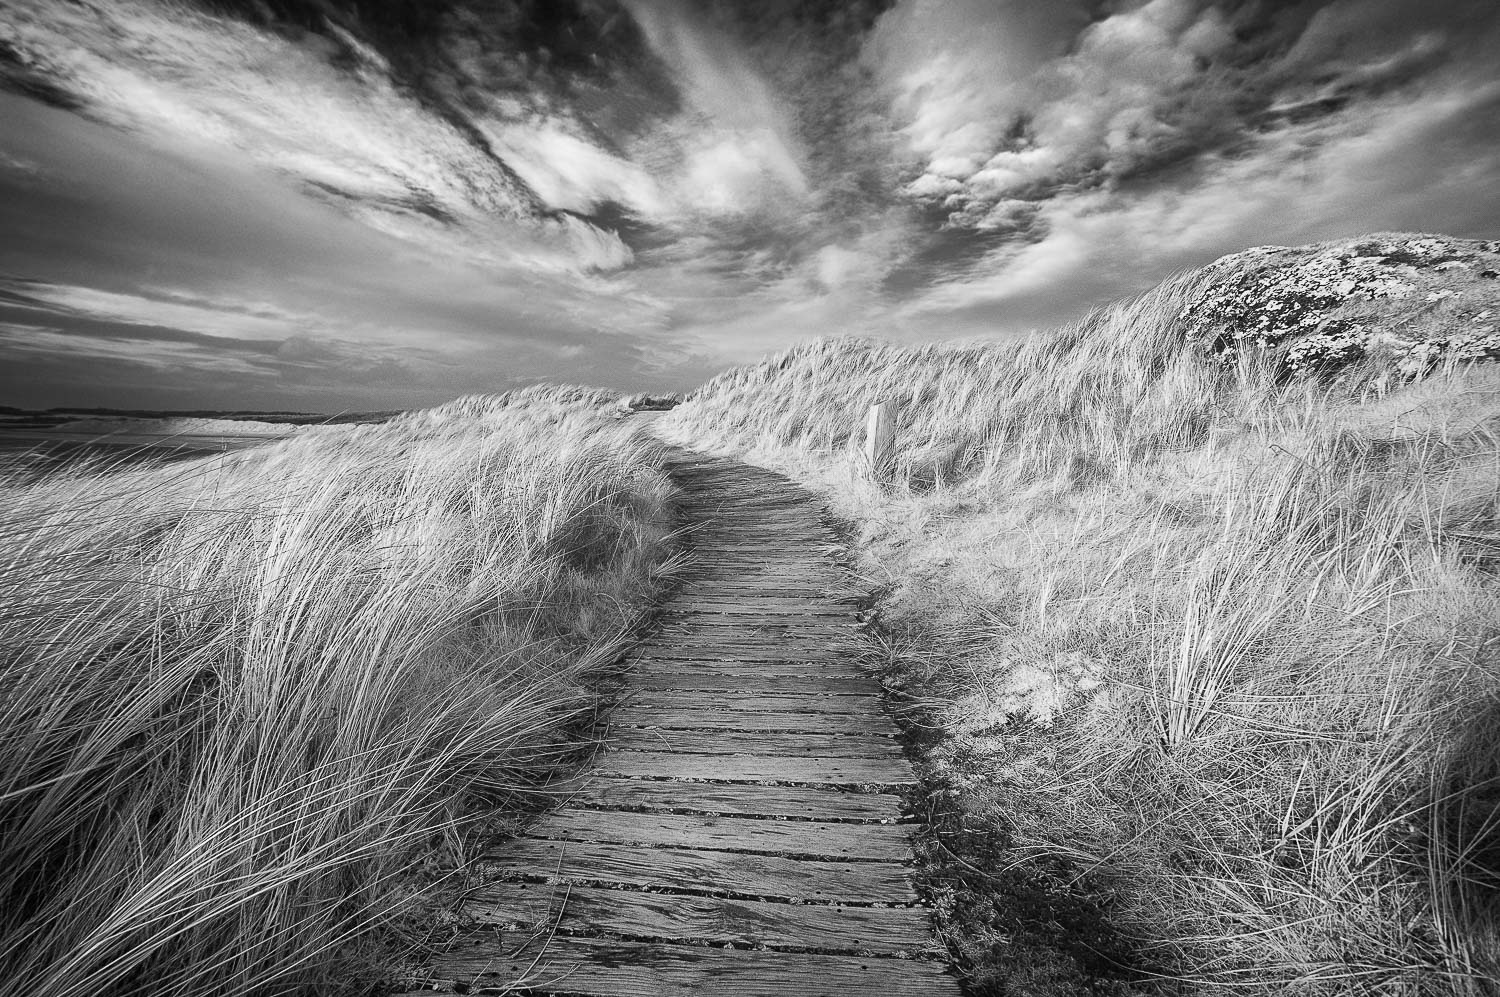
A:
1400, 304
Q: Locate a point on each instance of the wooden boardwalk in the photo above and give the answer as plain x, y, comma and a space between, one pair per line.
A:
741, 832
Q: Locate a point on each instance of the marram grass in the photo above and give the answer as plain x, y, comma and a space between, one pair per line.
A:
245, 702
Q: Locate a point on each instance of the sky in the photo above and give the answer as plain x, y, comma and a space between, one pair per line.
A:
334, 205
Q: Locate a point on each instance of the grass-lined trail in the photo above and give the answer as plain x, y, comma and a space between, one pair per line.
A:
740, 831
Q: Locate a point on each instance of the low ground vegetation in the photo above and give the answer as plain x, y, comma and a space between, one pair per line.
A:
1198, 647
250, 706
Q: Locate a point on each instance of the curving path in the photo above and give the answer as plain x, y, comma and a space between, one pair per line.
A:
740, 832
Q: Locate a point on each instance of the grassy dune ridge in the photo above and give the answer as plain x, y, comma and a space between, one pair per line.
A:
248, 705
1203, 653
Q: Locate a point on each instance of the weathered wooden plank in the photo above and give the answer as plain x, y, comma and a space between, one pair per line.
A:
811, 612
796, 569
730, 642
757, 550
749, 613
746, 612
738, 500
789, 588
773, 652
833, 637
747, 494
805, 595
798, 802
743, 525
609, 968
749, 505
756, 631
715, 568
734, 482
709, 626
750, 640
715, 554
706, 717
769, 538
836, 580
721, 742
749, 768
780, 684
726, 642
675, 917
754, 876
755, 702
734, 527
809, 839
831, 667
815, 553
766, 576
794, 591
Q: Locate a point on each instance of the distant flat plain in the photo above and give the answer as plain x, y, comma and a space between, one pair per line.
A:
64, 435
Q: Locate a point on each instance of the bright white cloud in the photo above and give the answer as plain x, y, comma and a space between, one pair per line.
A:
21, 341
572, 173
1347, 177
735, 148
171, 310
993, 107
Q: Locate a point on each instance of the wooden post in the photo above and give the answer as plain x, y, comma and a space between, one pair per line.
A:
880, 433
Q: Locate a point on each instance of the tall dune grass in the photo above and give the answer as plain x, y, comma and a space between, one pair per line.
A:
1218, 651
248, 704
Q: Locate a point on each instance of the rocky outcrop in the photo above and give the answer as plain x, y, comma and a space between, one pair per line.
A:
1395, 304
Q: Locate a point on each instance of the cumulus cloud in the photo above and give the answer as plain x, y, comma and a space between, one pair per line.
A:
1345, 177
1030, 106
1005, 120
